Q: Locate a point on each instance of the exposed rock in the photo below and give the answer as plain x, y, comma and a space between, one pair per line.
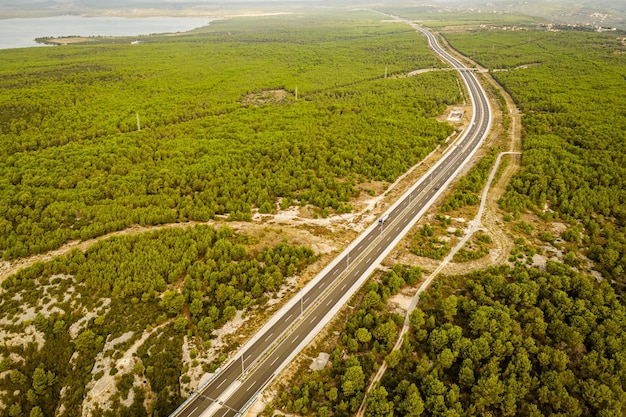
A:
320, 362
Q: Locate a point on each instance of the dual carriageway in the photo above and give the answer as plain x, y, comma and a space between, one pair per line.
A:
234, 388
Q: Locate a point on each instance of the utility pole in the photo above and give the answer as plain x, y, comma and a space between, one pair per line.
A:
138, 125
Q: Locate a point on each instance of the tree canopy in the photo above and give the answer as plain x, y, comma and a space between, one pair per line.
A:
515, 342
222, 131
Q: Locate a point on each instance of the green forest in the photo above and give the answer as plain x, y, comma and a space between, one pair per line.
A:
506, 341
510, 342
231, 117
573, 96
187, 281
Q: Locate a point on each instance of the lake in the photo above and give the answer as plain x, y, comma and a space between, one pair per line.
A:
21, 32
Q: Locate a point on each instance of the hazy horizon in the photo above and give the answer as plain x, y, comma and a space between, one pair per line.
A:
611, 13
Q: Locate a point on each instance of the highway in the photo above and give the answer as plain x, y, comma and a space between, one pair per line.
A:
232, 389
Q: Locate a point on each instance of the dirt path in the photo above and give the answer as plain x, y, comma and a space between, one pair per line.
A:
491, 220
8, 268
343, 225
486, 218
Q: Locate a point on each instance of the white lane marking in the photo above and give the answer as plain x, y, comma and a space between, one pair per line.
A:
221, 383
344, 286
274, 361
329, 302
313, 319
289, 317
294, 339
251, 385
270, 335
192, 411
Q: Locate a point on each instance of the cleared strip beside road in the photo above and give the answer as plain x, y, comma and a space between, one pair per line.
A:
235, 386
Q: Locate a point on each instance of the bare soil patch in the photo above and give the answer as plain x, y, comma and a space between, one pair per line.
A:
524, 66
101, 390
267, 97
456, 114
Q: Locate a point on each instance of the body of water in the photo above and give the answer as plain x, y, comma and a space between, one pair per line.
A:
21, 33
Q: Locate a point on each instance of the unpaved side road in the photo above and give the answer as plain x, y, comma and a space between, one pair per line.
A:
476, 225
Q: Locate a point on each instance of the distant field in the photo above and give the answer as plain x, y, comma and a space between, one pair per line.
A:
504, 13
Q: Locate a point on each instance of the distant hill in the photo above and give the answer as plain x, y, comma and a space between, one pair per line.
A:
24, 8
602, 13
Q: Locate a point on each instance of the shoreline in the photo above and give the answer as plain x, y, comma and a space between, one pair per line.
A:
100, 28
20, 33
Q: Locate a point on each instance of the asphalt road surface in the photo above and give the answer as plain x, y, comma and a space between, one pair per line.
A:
232, 389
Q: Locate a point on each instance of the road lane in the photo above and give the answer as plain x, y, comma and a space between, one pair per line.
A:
235, 386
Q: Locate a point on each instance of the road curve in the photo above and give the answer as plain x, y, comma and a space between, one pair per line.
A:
233, 388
